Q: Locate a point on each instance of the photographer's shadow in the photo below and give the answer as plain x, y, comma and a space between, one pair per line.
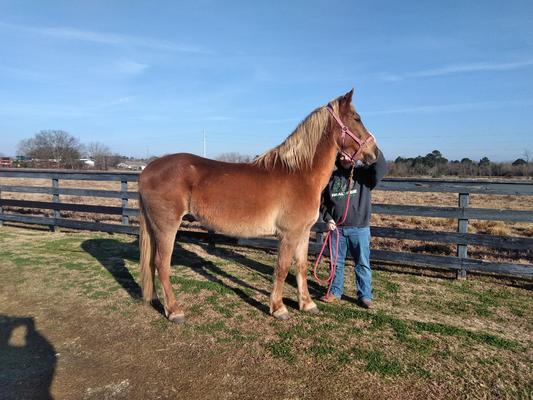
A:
27, 360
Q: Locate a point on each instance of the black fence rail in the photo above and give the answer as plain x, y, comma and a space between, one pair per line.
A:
462, 213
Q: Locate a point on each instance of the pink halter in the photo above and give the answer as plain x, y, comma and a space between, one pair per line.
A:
345, 131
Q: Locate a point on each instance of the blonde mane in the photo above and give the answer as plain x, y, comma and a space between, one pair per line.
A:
298, 150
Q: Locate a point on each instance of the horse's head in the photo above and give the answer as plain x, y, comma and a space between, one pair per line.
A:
355, 142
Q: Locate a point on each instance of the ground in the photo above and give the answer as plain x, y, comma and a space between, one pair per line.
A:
72, 326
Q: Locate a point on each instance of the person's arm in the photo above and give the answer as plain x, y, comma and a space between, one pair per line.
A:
325, 206
374, 173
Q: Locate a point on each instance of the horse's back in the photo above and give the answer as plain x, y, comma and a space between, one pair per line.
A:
239, 199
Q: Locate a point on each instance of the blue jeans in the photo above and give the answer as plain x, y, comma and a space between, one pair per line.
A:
357, 240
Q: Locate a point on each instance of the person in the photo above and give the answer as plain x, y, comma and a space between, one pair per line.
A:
354, 232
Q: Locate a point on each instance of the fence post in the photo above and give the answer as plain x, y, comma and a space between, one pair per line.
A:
55, 199
124, 190
319, 239
211, 239
462, 227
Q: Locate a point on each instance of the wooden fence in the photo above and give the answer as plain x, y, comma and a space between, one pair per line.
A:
461, 238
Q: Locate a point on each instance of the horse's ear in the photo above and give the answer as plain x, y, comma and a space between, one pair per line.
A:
347, 98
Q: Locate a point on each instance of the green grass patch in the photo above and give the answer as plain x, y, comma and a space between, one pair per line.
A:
6, 253
281, 349
391, 287
402, 329
161, 324
236, 336
480, 337
24, 261
296, 331
377, 362
77, 266
224, 311
322, 349
97, 294
194, 286
211, 327
195, 309
63, 244
343, 357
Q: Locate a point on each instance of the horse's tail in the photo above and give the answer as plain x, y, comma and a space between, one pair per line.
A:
147, 252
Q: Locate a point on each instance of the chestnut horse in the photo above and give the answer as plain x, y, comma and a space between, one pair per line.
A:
278, 193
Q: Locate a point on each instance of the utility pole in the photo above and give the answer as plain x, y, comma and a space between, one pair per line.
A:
205, 153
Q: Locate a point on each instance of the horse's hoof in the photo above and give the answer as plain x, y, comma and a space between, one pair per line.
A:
282, 316
313, 310
177, 319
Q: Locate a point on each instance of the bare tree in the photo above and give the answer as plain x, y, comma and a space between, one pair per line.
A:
57, 146
527, 159
234, 157
100, 154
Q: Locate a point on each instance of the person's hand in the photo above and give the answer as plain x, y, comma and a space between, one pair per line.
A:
332, 225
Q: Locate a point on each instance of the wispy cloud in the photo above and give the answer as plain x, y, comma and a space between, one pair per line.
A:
459, 68
107, 38
130, 67
275, 121
116, 102
57, 111
25, 111
458, 107
25, 74
219, 118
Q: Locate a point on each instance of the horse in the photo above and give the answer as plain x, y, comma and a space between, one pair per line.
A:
278, 193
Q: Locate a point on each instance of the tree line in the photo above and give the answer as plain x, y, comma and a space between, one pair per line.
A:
59, 149
435, 164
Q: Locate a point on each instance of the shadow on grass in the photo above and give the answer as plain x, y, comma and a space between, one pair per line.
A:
112, 255
315, 289
214, 273
27, 360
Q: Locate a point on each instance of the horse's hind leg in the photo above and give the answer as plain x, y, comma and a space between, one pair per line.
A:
304, 299
163, 254
285, 256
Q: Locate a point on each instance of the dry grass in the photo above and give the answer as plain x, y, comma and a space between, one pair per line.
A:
500, 228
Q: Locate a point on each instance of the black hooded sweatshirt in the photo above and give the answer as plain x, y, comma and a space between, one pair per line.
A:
334, 195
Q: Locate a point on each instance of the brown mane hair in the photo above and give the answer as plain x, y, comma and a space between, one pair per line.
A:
298, 149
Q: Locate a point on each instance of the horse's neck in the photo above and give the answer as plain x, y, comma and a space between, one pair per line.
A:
323, 162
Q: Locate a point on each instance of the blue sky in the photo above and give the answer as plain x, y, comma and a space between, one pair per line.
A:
148, 77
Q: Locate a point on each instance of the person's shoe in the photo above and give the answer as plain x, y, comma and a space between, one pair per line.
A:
365, 303
329, 298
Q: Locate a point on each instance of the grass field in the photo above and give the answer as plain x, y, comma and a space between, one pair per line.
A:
428, 337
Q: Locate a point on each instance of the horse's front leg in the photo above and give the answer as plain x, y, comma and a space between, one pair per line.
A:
304, 299
285, 256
